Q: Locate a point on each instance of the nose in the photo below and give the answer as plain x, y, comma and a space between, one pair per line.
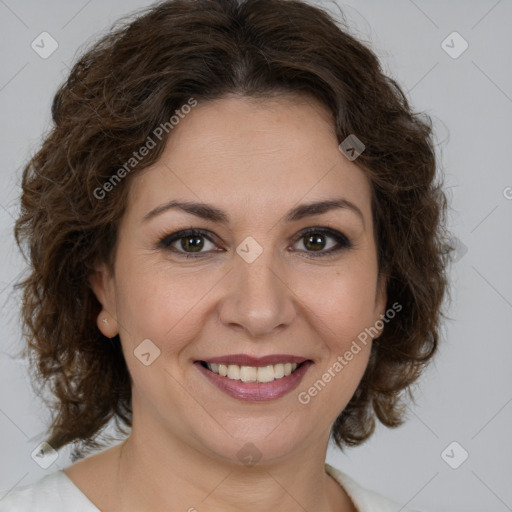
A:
257, 297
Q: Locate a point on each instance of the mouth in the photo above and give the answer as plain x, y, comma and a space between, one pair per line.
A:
261, 374
251, 379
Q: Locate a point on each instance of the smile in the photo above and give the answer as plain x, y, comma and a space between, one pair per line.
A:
253, 373
256, 381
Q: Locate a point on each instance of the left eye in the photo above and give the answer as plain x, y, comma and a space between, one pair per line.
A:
192, 242
314, 239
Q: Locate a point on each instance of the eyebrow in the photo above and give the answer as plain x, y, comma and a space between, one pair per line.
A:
214, 214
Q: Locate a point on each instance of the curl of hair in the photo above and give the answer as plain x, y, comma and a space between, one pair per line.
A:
131, 81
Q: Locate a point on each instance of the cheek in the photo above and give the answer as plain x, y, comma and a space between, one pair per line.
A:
153, 304
342, 310
343, 299
166, 310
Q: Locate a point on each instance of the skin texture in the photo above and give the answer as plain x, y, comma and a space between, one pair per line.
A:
256, 160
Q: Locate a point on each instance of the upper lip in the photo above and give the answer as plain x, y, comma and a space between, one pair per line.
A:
246, 360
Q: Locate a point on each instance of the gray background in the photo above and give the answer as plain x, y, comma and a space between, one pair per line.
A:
466, 394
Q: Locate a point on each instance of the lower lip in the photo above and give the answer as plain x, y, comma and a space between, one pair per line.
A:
256, 391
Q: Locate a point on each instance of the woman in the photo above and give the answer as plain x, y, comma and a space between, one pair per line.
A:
236, 244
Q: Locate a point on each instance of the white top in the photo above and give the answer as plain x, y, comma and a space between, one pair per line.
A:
56, 492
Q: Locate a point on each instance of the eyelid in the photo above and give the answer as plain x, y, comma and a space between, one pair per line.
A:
183, 233
342, 240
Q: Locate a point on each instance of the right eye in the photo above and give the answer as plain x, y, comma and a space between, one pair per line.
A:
191, 243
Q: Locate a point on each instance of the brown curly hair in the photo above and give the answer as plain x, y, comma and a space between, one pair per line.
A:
131, 81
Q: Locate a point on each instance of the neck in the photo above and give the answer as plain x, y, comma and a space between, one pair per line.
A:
175, 476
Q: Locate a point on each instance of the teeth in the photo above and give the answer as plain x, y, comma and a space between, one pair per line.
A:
234, 372
248, 374
278, 371
253, 373
266, 373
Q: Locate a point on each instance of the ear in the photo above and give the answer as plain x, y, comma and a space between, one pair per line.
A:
102, 284
380, 302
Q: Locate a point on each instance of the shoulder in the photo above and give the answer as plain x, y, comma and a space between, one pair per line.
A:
52, 493
364, 499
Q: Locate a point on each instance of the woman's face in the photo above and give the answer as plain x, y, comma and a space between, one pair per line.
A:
269, 276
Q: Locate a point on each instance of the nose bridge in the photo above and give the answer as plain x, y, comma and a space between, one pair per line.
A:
259, 276
257, 298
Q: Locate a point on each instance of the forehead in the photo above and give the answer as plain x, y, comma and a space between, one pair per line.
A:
252, 154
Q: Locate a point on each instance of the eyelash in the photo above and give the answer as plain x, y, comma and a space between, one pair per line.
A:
342, 241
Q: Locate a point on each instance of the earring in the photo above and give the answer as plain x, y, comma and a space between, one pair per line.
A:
107, 324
